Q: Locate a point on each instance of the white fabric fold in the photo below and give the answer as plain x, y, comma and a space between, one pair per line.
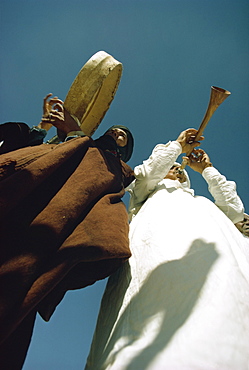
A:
181, 302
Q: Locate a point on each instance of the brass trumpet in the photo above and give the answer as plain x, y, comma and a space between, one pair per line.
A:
217, 96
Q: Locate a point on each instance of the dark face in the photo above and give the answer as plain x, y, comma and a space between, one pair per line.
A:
118, 135
175, 174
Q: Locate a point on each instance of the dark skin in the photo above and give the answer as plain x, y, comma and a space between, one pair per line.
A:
118, 135
174, 174
54, 114
48, 106
243, 226
198, 160
187, 141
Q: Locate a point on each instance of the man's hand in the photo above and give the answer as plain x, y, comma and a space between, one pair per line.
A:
48, 105
187, 140
61, 119
198, 160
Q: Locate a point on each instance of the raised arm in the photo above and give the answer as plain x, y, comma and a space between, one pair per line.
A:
54, 114
155, 168
222, 190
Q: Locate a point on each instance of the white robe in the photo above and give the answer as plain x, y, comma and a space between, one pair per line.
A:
181, 302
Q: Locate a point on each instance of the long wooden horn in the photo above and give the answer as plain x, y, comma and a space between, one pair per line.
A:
217, 96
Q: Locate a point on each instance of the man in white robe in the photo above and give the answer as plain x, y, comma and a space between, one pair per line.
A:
181, 302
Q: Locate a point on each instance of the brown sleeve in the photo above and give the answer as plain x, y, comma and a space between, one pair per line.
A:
128, 174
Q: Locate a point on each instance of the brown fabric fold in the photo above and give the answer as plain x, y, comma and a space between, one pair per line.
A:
62, 224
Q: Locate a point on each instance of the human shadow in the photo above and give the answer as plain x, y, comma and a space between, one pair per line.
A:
170, 291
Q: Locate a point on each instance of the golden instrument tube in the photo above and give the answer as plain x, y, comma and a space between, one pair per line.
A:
217, 96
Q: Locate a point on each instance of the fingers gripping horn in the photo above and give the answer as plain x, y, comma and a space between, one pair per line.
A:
217, 96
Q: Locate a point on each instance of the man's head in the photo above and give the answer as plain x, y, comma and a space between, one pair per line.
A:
119, 135
176, 174
243, 226
124, 140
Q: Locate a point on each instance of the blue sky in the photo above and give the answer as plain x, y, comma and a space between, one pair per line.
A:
172, 52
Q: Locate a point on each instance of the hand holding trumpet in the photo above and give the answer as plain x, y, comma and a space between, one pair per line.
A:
198, 160
217, 96
187, 140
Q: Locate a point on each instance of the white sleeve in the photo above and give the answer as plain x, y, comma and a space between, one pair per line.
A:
224, 194
152, 171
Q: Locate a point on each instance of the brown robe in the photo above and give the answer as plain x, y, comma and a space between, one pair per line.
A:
62, 224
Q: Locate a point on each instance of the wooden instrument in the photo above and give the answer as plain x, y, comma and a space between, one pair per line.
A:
93, 90
217, 96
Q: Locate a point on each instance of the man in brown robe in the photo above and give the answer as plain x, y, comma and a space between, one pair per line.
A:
63, 226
